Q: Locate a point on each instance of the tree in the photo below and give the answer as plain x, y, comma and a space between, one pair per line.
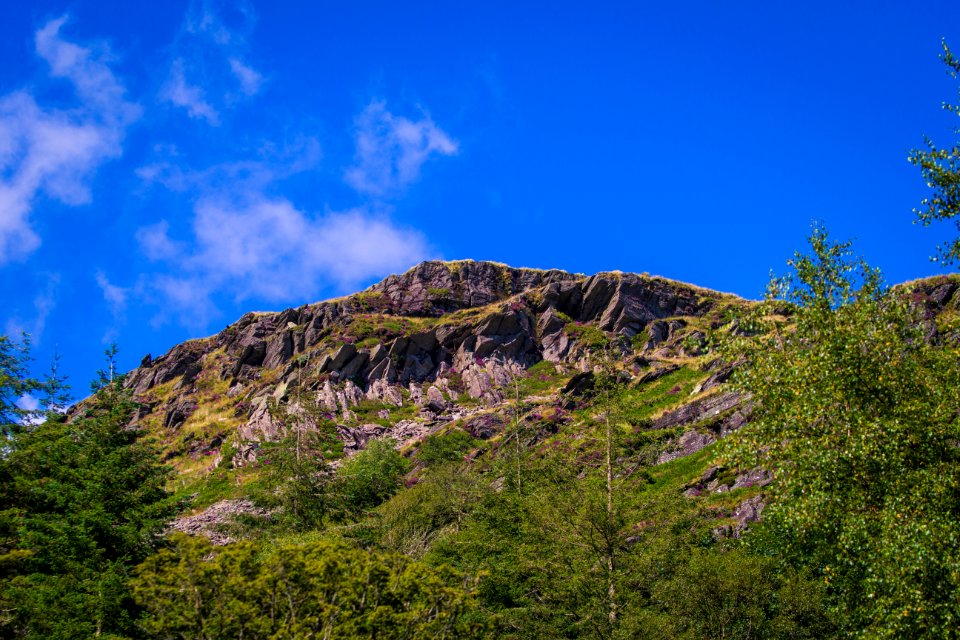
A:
318, 589
940, 168
84, 500
15, 382
298, 480
370, 476
858, 417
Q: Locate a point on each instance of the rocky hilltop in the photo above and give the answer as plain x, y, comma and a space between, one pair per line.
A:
428, 346
464, 345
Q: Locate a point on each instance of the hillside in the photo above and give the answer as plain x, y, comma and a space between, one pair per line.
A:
436, 348
473, 450
454, 346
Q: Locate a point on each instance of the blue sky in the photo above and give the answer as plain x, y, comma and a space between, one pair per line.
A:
165, 167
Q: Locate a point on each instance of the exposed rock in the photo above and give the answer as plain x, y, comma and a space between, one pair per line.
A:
339, 359
279, 350
754, 478
246, 454
435, 400
210, 522
327, 397
687, 444
709, 474
432, 288
698, 410
747, 512
484, 426
416, 395
656, 373
261, 425
178, 414
385, 392
349, 396
579, 385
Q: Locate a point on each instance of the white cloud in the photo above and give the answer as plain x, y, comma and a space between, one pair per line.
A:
51, 152
42, 305
116, 297
191, 98
28, 402
253, 246
155, 241
250, 79
391, 149
209, 73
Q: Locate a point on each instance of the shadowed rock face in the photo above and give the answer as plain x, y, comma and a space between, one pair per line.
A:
526, 312
466, 327
435, 288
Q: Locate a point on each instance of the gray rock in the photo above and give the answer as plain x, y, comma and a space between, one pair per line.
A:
435, 400
340, 358
687, 444
747, 512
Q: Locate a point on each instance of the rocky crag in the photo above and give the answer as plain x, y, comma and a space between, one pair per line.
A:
466, 345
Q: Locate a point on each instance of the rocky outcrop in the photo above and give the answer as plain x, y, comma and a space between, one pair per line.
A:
212, 521
530, 324
435, 288
436, 336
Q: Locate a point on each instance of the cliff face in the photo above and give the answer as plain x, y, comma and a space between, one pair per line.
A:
470, 346
434, 343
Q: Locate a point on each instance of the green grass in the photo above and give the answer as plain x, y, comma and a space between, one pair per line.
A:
587, 335
637, 406
367, 330
367, 411
540, 379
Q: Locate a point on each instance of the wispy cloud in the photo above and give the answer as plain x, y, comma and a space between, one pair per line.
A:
209, 71
252, 246
247, 243
115, 297
189, 97
250, 79
391, 149
34, 322
54, 152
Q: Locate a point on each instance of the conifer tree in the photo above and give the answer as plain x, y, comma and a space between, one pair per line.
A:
84, 501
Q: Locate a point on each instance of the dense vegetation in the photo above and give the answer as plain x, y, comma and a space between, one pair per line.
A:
569, 521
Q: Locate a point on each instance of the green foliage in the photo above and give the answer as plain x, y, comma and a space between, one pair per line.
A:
14, 383
438, 505
445, 447
317, 589
296, 478
589, 336
739, 596
84, 501
541, 378
857, 415
940, 168
371, 476
371, 301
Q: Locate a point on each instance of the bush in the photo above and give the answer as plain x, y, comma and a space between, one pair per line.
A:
371, 476
446, 447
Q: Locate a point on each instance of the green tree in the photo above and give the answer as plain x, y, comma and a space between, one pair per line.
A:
84, 501
313, 590
15, 382
940, 167
858, 417
297, 479
370, 476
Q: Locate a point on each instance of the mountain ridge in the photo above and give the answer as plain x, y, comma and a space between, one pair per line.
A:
444, 346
